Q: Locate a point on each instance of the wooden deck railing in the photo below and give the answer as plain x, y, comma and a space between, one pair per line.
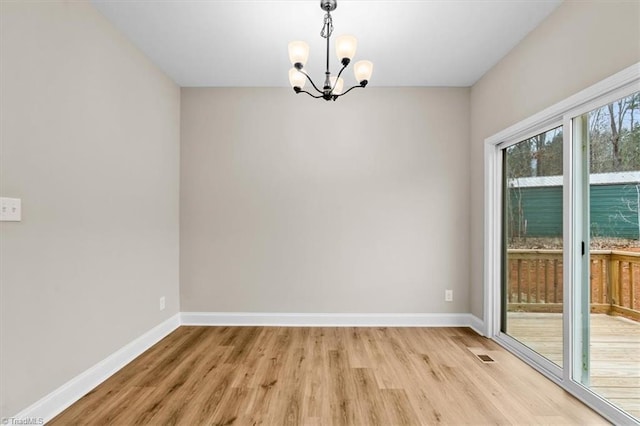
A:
535, 282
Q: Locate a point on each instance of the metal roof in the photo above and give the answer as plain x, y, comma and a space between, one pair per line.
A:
594, 179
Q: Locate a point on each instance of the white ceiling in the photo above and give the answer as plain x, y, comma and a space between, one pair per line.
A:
244, 42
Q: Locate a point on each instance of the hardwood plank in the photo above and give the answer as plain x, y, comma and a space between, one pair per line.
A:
398, 407
342, 408
368, 398
330, 376
315, 393
202, 370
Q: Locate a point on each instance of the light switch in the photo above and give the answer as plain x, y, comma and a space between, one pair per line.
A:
10, 209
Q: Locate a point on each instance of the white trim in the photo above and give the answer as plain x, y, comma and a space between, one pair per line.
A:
477, 325
554, 113
492, 249
57, 401
568, 232
329, 320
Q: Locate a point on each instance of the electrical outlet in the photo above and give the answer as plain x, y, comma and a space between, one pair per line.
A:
162, 303
448, 295
10, 209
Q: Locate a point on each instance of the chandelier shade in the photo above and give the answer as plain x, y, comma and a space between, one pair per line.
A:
338, 84
345, 49
363, 71
296, 78
298, 52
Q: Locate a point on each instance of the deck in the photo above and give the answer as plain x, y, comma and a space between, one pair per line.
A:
615, 351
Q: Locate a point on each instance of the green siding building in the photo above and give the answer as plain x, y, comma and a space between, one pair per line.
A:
535, 206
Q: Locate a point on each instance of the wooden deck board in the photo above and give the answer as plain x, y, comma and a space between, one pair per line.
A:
615, 351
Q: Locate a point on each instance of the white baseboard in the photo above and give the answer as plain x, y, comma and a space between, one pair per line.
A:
329, 320
57, 401
477, 325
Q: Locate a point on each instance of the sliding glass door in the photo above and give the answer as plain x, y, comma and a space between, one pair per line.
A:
607, 318
566, 249
532, 243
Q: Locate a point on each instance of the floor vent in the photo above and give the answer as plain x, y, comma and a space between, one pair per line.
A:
485, 358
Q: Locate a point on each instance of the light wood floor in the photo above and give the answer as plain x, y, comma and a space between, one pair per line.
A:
326, 376
615, 351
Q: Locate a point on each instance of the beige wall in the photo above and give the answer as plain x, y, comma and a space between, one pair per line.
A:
581, 43
290, 204
90, 142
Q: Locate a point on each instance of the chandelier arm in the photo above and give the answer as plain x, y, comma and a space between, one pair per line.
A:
310, 94
339, 74
311, 81
350, 89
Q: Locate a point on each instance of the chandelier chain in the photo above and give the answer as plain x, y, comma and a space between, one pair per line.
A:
327, 27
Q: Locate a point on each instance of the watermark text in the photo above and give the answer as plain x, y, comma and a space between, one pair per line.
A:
22, 421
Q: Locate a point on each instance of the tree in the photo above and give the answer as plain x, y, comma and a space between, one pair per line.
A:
540, 155
614, 137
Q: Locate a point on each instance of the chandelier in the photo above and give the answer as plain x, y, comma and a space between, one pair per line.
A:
346, 45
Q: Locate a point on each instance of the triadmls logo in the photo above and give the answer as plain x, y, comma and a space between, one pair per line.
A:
22, 421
